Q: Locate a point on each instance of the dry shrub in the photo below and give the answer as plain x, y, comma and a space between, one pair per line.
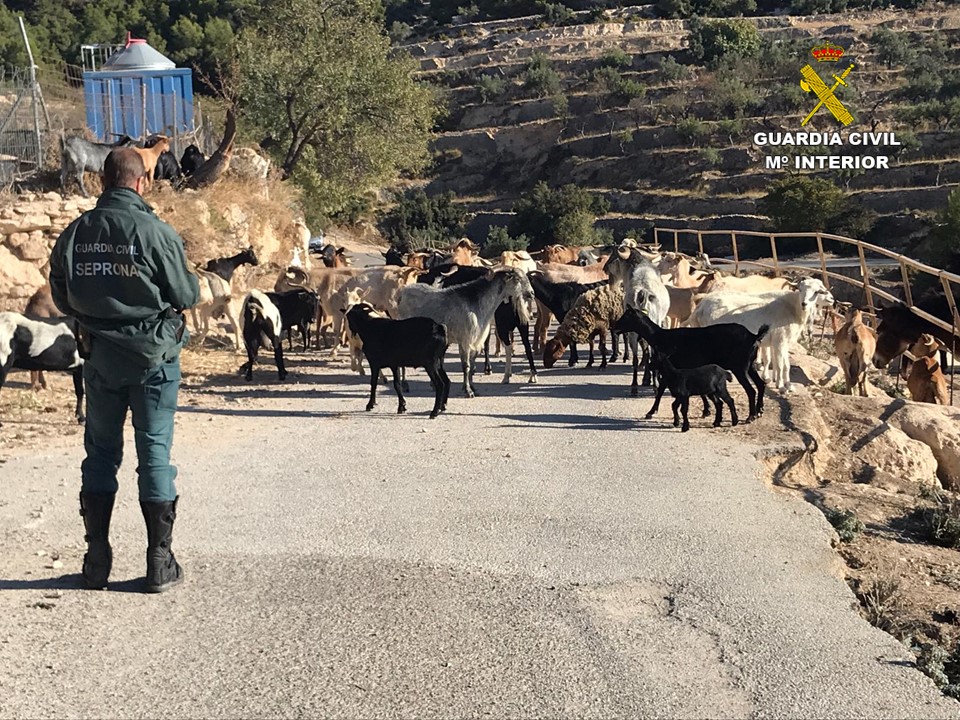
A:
206, 219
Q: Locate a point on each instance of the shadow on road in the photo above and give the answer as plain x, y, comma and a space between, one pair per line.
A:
72, 581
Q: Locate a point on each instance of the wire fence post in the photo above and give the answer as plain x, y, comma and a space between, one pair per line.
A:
33, 90
736, 255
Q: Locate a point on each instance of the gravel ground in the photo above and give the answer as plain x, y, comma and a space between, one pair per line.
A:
535, 552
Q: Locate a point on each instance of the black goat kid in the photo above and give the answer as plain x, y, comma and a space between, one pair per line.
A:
395, 344
709, 381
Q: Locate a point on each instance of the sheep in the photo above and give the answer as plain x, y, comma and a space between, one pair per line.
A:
191, 160
261, 325
785, 312
729, 345
51, 344
466, 310
926, 382
708, 381
150, 156
411, 342
855, 344
298, 309
79, 155
556, 299
593, 313
40, 306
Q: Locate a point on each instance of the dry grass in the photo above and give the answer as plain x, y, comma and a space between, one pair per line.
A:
225, 218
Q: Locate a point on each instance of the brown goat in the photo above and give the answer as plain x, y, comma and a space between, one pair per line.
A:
151, 155
855, 344
563, 254
683, 300
926, 382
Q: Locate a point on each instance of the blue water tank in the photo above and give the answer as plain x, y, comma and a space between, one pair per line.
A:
138, 92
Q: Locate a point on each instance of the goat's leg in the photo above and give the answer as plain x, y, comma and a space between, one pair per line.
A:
374, 379
574, 358
465, 366
603, 349
508, 362
401, 402
234, 320
718, 418
591, 340
675, 405
761, 388
685, 408
615, 342
725, 397
656, 402
525, 339
706, 406
247, 368
278, 357
487, 370
437, 384
83, 188
403, 380
647, 366
472, 363
634, 388
78, 391
445, 379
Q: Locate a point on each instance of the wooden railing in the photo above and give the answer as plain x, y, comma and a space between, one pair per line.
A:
670, 238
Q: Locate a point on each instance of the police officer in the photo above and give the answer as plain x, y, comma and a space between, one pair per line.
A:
122, 273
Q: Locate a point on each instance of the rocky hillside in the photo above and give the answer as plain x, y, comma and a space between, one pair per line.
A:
668, 140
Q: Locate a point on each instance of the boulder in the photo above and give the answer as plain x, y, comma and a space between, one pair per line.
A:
18, 279
17, 239
938, 427
34, 250
25, 223
248, 164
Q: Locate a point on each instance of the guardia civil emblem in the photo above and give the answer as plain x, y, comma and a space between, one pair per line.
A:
811, 82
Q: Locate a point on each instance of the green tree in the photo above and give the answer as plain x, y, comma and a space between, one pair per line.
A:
943, 246
499, 241
340, 111
892, 48
563, 215
712, 40
800, 203
540, 77
419, 220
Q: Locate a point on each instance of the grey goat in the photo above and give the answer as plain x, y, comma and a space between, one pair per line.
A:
80, 155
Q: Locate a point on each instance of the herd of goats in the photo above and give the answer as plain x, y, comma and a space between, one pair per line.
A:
690, 327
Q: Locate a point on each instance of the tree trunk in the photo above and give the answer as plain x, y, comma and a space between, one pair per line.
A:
216, 164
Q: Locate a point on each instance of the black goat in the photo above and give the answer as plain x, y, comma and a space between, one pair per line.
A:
167, 167
558, 299
262, 327
708, 381
298, 309
395, 344
729, 345
191, 160
49, 344
393, 256
227, 266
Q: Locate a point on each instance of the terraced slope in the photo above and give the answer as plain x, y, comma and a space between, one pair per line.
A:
638, 152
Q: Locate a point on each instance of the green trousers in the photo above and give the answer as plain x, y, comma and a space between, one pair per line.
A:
152, 402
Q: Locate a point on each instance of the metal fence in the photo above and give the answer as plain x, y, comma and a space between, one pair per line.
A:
23, 125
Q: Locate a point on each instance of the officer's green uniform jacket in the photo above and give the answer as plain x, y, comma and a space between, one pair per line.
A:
122, 273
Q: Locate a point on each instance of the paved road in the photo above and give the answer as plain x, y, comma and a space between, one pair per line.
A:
537, 551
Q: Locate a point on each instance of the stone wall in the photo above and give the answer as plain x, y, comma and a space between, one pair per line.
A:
29, 227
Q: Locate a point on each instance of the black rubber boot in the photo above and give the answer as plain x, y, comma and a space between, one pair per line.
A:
163, 571
96, 511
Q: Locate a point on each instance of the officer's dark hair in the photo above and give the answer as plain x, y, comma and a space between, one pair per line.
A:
122, 168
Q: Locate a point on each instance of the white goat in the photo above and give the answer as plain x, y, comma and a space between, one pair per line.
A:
216, 299
467, 311
785, 312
